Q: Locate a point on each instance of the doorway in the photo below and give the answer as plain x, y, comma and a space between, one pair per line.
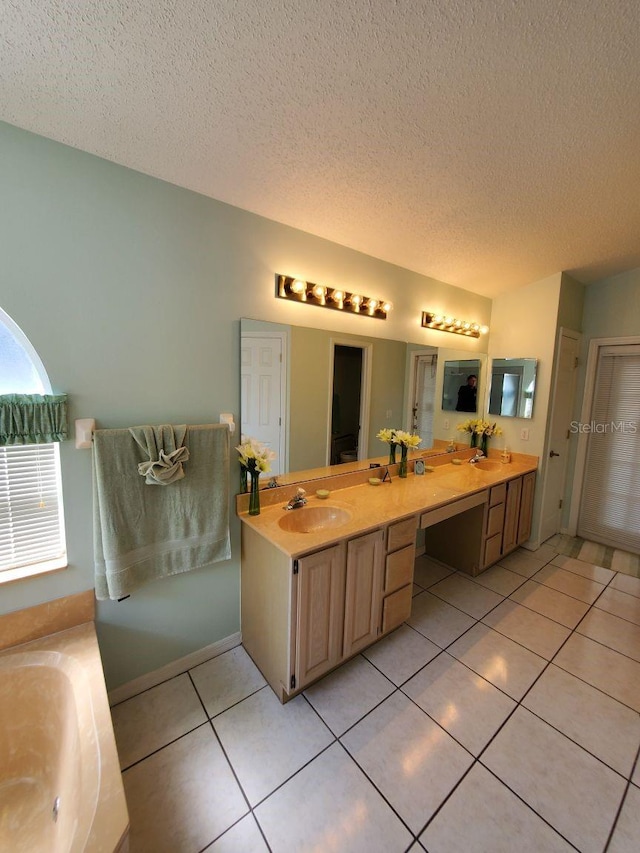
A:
349, 402
262, 392
424, 396
562, 402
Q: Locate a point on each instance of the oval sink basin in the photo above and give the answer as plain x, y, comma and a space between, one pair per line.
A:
310, 519
488, 465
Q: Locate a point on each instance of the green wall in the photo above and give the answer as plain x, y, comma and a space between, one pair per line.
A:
131, 290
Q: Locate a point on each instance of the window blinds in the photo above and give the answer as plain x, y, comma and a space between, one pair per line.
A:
610, 503
31, 524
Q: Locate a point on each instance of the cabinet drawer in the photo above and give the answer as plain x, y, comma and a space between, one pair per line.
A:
399, 569
402, 533
396, 608
435, 516
495, 520
498, 494
492, 549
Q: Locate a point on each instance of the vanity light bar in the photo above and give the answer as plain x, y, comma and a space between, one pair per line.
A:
444, 323
298, 290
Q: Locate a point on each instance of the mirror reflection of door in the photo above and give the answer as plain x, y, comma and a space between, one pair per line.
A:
346, 403
424, 397
262, 385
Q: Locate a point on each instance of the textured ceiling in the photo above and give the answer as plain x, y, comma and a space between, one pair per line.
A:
487, 144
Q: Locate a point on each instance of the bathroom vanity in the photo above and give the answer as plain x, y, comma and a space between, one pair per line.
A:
323, 582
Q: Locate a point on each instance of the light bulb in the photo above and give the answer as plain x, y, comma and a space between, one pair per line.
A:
298, 286
338, 296
484, 330
320, 292
437, 319
356, 301
387, 306
372, 304
448, 321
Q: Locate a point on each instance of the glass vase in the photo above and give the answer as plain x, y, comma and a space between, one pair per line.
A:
392, 452
243, 480
254, 494
474, 440
484, 444
402, 470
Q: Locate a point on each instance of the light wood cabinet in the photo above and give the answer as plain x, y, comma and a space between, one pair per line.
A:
526, 507
363, 590
302, 618
320, 608
398, 573
495, 522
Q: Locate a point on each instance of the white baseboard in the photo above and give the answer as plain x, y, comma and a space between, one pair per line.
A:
176, 667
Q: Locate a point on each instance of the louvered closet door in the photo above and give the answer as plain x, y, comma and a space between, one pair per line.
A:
610, 504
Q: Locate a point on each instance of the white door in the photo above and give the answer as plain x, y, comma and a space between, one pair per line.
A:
424, 398
262, 390
558, 447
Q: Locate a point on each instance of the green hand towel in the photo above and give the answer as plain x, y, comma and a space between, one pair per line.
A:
141, 533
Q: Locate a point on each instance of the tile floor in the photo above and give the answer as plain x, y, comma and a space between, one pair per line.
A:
503, 717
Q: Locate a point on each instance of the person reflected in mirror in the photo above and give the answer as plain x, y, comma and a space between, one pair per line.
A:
467, 395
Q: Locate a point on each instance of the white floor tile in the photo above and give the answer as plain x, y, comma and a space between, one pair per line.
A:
467, 706
500, 580
627, 584
410, 759
466, 595
267, 742
438, 621
626, 835
427, 572
586, 570
401, 654
523, 563
620, 604
565, 785
484, 816
183, 796
504, 663
609, 671
570, 583
611, 631
551, 603
226, 679
331, 805
343, 697
244, 837
154, 718
544, 552
530, 629
600, 724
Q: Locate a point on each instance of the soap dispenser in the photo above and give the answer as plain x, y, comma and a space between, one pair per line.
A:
505, 456
451, 447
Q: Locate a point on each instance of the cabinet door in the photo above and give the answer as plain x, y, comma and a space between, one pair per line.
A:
526, 507
363, 592
512, 509
320, 598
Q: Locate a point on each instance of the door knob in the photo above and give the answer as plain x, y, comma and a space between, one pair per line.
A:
552, 454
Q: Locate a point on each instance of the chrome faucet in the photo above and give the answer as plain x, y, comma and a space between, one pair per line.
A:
298, 500
479, 455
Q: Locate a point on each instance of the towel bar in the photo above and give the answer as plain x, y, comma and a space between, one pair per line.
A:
86, 426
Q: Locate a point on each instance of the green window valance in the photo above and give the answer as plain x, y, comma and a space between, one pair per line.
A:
32, 418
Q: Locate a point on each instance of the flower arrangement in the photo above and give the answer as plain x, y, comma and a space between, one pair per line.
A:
399, 438
479, 427
255, 459
407, 439
255, 456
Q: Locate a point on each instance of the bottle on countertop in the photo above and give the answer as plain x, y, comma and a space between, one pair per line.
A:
451, 447
505, 456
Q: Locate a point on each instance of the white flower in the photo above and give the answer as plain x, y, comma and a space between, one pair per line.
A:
407, 439
254, 455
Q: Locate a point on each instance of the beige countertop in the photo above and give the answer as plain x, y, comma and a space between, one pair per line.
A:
373, 506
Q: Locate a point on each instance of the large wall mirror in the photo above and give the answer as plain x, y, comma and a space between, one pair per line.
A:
513, 384
319, 398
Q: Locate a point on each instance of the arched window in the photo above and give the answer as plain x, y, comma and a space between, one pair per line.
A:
31, 514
